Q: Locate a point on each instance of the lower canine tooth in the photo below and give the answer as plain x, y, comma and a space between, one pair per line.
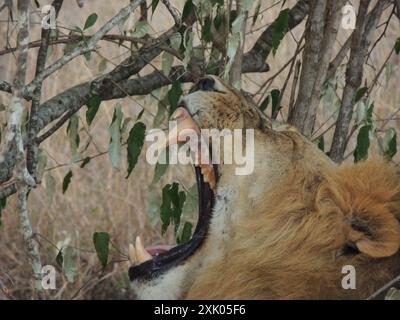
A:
141, 254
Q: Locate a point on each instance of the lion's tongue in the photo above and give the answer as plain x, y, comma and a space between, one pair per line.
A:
185, 128
154, 250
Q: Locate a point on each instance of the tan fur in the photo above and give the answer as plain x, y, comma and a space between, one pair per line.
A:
284, 231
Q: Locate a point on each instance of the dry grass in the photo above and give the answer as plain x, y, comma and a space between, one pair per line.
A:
99, 197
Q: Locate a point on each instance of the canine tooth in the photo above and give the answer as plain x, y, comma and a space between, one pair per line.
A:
141, 254
177, 114
132, 254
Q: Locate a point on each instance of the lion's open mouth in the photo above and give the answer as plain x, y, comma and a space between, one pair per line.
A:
152, 261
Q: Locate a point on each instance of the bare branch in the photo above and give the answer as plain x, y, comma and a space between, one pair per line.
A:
74, 98
313, 50
32, 124
83, 47
5, 86
255, 58
13, 142
174, 13
235, 71
335, 63
333, 15
359, 50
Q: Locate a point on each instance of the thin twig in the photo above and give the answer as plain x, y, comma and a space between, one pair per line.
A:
83, 47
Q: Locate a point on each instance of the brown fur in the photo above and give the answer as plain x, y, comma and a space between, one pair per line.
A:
286, 232
286, 248
288, 243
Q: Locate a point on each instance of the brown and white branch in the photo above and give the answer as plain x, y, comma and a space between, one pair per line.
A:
360, 43
336, 62
174, 13
333, 15
313, 50
13, 140
32, 147
255, 58
83, 47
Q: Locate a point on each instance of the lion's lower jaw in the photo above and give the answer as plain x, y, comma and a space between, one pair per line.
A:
169, 286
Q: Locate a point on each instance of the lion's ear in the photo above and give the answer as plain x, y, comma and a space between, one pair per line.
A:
375, 231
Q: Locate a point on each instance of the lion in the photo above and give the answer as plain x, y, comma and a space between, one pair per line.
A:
288, 230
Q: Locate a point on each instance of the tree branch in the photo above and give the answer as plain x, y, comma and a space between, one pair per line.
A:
235, 72
333, 15
83, 47
313, 51
359, 50
13, 142
335, 63
263, 46
72, 99
32, 124
5, 86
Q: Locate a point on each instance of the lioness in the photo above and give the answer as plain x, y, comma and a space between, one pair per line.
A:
283, 232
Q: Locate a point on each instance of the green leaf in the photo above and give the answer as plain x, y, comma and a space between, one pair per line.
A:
87, 55
275, 94
397, 46
90, 21
115, 146
3, 203
73, 135
265, 103
363, 143
206, 32
187, 42
256, 13
59, 258
369, 114
171, 206
141, 29
280, 27
178, 199
41, 164
173, 96
139, 116
186, 233
393, 294
187, 9
50, 186
167, 60
85, 162
101, 242
66, 181
154, 4
161, 168
360, 93
92, 108
192, 201
102, 65
165, 209
68, 264
135, 145
390, 143
321, 143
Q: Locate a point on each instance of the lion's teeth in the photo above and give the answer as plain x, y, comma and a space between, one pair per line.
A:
177, 114
132, 254
208, 175
141, 254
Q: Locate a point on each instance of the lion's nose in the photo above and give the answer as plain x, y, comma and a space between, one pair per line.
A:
204, 84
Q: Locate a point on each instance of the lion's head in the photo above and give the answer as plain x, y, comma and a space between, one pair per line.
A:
285, 230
